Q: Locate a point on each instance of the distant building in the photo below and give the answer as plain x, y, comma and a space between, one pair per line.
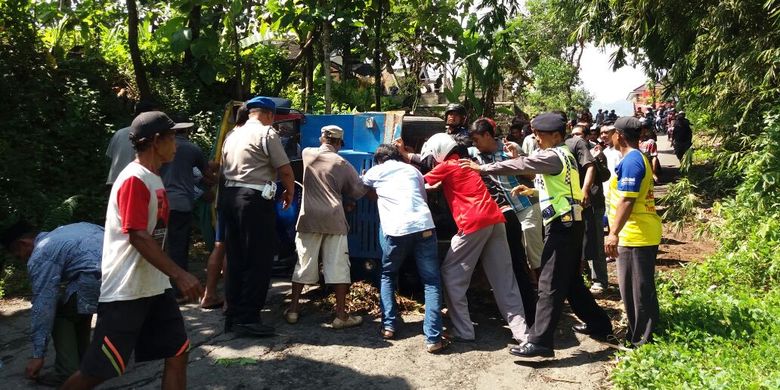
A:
643, 97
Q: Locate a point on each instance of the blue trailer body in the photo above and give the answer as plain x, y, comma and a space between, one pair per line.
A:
363, 133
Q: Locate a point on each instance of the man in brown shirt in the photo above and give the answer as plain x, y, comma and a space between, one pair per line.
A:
322, 226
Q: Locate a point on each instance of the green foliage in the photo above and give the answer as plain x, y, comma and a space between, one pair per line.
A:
54, 124
721, 318
680, 203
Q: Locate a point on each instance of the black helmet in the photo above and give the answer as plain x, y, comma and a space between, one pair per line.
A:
456, 107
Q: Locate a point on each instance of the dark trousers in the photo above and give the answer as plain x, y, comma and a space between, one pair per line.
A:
250, 224
680, 150
70, 336
593, 251
514, 236
179, 231
636, 275
560, 280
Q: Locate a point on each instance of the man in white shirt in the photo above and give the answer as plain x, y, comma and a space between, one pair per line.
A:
407, 225
137, 311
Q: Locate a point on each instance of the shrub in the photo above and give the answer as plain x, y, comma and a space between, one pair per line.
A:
720, 323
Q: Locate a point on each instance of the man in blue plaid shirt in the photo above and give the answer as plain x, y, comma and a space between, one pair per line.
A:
523, 217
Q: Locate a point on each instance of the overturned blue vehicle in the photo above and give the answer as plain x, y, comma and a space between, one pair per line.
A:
363, 133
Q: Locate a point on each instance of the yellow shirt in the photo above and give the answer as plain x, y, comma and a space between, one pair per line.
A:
634, 179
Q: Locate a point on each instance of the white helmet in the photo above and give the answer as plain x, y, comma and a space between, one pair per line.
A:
438, 146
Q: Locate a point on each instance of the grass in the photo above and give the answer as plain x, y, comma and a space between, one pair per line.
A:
720, 320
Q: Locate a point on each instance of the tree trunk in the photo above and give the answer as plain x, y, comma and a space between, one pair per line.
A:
293, 64
576, 65
377, 57
346, 56
308, 80
194, 25
326, 64
142, 83
238, 92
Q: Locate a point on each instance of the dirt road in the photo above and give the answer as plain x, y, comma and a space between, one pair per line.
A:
310, 356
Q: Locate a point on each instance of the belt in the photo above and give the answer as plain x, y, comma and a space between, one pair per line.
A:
233, 183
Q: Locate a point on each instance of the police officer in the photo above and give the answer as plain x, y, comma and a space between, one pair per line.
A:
557, 182
252, 158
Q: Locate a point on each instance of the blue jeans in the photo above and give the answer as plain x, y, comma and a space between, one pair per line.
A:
424, 249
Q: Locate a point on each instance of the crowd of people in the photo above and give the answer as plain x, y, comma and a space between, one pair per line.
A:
531, 208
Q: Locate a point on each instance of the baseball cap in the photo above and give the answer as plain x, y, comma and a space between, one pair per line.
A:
333, 131
629, 124
549, 122
147, 124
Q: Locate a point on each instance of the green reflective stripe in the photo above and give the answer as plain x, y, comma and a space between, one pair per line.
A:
111, 359
558, 192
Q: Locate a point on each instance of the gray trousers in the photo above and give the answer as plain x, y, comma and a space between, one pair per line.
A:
488, 244
636, 275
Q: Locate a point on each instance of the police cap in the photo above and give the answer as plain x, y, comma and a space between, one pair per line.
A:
549, 122
261, 102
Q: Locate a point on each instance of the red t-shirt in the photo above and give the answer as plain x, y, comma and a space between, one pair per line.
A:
472, 206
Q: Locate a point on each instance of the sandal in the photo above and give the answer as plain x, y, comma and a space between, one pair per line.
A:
212, 306
351, 321
437, 347
388, 334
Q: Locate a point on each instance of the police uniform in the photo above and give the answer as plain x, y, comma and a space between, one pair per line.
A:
251, 156
557, 181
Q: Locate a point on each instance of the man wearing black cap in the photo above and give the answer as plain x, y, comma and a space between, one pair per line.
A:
68, 255
557, 182
252, 158
635, 232
137, 310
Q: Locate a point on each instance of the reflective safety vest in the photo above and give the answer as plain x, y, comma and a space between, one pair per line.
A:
560, 195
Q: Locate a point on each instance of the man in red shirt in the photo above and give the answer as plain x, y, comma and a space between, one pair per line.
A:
481, 234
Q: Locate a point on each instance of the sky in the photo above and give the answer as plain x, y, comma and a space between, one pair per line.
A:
609, 88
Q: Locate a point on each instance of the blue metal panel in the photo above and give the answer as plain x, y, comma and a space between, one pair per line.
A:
312, 124
363, 221
367, 139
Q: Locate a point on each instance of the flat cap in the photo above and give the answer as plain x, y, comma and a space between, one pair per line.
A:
332, 131
261, 102
549, 122
629, 124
